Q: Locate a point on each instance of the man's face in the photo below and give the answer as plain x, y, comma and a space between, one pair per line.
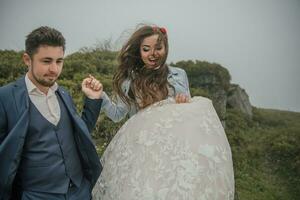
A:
45, 66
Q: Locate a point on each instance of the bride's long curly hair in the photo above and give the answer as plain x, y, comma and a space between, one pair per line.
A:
147, 85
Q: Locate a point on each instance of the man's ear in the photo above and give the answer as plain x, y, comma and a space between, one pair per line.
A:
27, 59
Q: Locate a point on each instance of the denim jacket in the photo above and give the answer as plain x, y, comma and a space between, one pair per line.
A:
117, 111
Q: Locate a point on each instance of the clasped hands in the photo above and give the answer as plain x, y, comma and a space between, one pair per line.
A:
91, 87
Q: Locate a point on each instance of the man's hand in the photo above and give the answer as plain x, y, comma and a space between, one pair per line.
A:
91, 87
182, 98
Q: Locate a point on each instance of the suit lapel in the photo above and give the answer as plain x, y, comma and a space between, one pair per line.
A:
66, 100
21, 97
79, 123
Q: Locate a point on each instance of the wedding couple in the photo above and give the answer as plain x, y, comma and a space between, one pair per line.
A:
172, 147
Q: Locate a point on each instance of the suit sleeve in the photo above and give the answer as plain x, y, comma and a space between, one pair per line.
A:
90, 113
3, 122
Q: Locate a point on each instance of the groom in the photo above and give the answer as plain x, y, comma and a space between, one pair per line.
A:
46, 151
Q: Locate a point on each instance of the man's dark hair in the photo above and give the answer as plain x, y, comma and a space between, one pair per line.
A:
43, 35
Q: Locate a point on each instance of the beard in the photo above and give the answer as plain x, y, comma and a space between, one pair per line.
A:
44, 82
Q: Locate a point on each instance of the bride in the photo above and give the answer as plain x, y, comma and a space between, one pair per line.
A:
172, 147
169, 151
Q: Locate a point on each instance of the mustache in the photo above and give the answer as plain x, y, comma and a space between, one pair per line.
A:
51, 74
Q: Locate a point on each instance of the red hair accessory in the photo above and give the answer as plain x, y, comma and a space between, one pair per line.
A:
161, 29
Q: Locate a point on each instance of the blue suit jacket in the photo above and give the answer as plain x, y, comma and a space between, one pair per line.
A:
14, 121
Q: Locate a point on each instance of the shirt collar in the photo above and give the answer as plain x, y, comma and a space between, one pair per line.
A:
31, 88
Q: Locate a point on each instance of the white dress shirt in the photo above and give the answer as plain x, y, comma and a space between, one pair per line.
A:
48, 104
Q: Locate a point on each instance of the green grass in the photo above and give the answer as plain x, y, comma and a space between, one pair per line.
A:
265, 154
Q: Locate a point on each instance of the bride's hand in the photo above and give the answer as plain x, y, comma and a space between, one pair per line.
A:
182, 98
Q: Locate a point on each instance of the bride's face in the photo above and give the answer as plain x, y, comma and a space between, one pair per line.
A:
152, 52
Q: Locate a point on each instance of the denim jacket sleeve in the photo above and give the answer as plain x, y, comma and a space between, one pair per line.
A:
178, 79
117, 110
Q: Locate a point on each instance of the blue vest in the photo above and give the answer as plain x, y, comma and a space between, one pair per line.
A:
50, 158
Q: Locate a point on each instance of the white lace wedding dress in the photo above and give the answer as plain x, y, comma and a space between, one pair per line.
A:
168, 151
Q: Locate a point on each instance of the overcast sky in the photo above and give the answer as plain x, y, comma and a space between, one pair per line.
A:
258, 41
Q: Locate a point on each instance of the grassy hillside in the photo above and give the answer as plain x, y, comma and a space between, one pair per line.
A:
266, 149
266, 154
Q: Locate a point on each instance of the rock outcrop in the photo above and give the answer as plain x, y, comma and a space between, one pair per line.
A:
238, 98
213, 81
